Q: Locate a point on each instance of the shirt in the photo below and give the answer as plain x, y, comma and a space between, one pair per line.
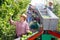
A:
21, 27
29, 16
50, 7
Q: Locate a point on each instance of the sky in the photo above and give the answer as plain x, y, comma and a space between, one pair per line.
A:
37, 2
34, 2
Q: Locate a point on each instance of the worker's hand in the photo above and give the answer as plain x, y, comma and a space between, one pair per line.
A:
29, 32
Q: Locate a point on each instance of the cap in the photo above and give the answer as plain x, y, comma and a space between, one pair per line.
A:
51, 2
24, 15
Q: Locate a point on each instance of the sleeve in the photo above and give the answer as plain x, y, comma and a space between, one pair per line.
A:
13, 22
27, 28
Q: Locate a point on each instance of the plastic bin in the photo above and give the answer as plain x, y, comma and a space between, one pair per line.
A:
48, 19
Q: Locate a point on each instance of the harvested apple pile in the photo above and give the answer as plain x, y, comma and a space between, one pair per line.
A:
45, 16
24, 37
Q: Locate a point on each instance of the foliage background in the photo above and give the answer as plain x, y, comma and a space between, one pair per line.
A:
10, 8
57, 12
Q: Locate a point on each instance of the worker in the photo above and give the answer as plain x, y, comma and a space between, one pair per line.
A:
32, 14
29, 13
34, 26
22, 26
36, 15
50, 6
